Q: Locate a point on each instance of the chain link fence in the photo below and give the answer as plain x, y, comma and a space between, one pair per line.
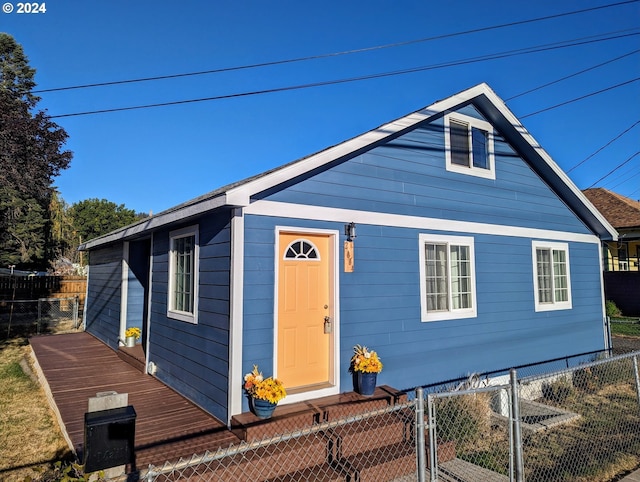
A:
578, 424
377, 445
44, 315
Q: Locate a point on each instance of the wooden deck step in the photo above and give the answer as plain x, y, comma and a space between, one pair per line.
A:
383, 463
134, 356
378, 431
282, 459
298, 416
285, 419
318, 473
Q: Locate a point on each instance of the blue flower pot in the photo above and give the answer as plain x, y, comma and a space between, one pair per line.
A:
367, 383
263, 408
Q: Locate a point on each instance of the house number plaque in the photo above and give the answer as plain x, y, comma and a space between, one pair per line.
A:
348, 257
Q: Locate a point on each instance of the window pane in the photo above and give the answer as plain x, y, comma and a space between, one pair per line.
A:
560, 276
460, 277
437, 277
480, 152
459, 136
545, 293
183, 258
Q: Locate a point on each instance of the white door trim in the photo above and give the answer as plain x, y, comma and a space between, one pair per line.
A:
334, 285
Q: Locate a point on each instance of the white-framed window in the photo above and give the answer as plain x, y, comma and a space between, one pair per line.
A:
469, 145
551, 276
183, 274
447, 277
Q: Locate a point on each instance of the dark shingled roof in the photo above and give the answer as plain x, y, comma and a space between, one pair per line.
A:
620, 211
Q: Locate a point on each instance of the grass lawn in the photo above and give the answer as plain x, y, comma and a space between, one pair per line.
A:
31, 438
625, 328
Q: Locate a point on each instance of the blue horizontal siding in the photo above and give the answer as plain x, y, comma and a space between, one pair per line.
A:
104, 296
380, 306
408, 176
194, 358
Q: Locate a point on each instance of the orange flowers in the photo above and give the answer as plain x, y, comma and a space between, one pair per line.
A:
365, 360
269, 389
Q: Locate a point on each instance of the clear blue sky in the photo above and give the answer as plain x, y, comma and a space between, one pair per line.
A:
154, 158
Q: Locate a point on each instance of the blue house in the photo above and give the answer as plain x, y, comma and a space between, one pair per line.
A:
448, 240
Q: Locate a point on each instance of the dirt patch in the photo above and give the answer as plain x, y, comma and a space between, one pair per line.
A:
625, 344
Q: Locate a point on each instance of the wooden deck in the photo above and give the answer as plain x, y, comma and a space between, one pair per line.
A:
76, 367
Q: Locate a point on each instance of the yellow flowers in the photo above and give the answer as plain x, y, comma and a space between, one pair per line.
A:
133, 331
365, 360
269, 389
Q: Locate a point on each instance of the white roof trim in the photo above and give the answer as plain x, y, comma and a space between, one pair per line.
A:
157, 221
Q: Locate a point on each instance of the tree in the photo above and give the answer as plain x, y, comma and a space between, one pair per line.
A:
94, 217
31, 155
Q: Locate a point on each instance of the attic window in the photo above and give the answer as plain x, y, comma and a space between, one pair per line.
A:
469, 146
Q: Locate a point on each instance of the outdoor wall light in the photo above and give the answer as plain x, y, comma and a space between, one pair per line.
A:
350, 231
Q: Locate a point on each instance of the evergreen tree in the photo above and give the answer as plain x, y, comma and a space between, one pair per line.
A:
94, 217
31, 156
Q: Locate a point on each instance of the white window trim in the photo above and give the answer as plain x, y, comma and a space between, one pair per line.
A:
553, 306
171, 312
451, 314
489, 173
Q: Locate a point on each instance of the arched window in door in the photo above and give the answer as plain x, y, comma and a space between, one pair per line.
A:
301, 249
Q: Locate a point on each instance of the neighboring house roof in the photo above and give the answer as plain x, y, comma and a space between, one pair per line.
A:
620, 211
481, 96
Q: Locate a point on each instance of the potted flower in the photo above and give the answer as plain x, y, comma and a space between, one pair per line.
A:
264, 393
365, 365
131, 335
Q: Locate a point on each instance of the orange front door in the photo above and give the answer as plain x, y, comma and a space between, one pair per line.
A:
303, 305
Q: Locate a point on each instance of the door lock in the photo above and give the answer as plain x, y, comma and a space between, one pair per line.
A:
327, 325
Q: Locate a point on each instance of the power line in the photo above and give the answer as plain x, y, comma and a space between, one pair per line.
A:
575, 74
626, 179
614, 170
336, 54
511, 53
576, 99
605, 146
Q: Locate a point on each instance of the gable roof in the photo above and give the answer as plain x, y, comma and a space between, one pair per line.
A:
620, 211
239, 194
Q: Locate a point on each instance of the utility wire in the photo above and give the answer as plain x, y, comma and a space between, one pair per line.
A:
511, 53
336, 54
571, 75
576, 99
614, 170
605, 146
626, 179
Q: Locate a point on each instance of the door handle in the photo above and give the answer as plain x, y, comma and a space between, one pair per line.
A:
327, 325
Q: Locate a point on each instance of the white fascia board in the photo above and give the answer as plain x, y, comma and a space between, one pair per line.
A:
526, 135
320, 213
244, 192
157, 221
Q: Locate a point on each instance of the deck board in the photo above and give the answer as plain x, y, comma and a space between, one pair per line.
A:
76, 366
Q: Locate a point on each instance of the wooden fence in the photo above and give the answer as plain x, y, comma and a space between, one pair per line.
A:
35, 287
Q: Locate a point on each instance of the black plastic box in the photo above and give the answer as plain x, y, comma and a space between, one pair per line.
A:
109, 437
